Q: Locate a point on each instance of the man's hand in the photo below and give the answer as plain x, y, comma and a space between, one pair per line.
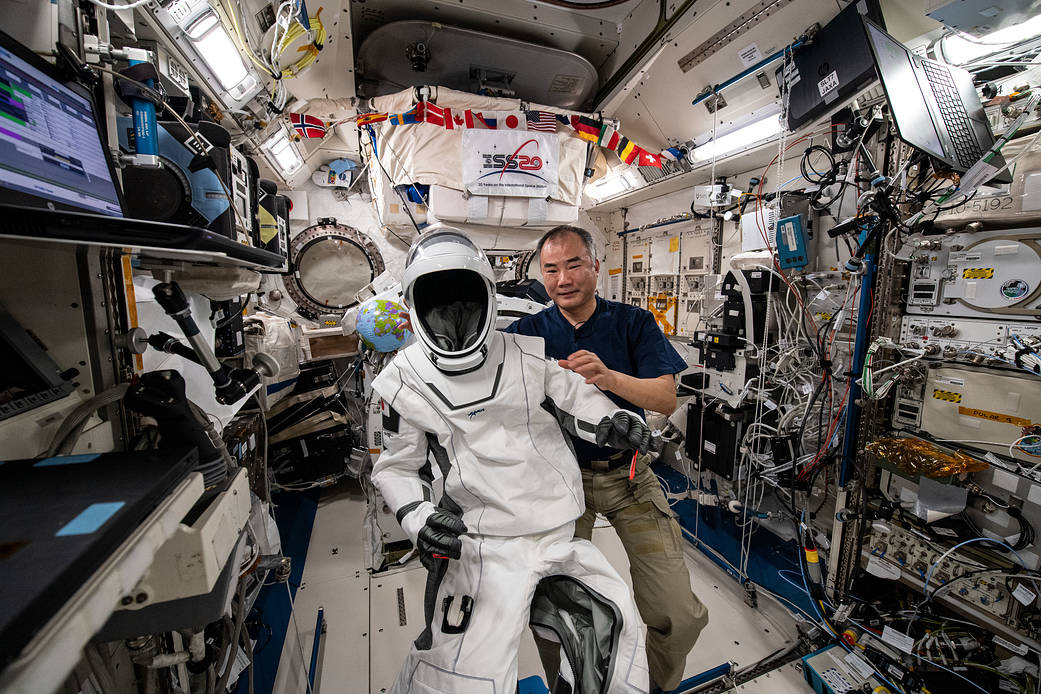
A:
624, 431
439, 538
588, 366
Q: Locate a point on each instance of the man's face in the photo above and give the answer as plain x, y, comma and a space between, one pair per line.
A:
568, 272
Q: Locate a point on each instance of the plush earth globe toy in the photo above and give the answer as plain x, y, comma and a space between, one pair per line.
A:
381, 325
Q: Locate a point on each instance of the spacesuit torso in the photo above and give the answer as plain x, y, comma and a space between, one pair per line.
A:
505, 460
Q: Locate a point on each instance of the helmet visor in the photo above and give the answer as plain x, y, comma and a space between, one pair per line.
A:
452, 306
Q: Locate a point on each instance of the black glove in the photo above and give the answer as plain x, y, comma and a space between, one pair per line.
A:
624, 431
439, 538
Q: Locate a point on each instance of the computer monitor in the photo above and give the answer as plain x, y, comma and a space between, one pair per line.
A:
935, 107
51, 151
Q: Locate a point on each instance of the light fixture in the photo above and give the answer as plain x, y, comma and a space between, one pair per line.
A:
614, 183
960, 48
283, 153
214, 45
744, 136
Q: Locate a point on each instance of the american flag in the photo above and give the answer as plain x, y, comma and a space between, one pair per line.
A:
308, 126
542, 121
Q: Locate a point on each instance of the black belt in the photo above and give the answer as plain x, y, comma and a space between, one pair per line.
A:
619, 459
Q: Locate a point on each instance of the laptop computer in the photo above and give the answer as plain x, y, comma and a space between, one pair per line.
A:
57, 176
833, 68
935, 106
60, 520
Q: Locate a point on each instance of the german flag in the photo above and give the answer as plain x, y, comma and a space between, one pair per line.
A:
587, 128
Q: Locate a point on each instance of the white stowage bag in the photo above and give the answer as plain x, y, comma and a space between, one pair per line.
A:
277, 338
431, 155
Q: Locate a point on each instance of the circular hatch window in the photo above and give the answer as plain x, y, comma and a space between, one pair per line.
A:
329, 264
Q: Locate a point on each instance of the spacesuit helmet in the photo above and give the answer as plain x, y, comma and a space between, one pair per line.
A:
449, 287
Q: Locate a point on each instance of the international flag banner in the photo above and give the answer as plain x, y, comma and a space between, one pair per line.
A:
648, 159
672, 154
563, 119
587, 128
627, 150
541, 121
308, 126
511, 120
609, 136
409, 117
370, 118
436, 115
475, 120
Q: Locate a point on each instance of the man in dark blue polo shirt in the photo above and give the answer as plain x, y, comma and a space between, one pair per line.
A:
620, 349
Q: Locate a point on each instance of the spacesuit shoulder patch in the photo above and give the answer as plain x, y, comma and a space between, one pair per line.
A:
391, 418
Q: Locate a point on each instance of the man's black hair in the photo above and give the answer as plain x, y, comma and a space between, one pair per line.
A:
559, 231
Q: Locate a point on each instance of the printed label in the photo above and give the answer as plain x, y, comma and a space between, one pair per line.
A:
828, 84
946, 532
750, 55
994, 416
1014, 647
1024, 594
710, 447
951, 381
882, 569
897, 639
859, 665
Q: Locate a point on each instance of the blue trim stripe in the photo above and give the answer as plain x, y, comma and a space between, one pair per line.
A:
67, 460
91, 518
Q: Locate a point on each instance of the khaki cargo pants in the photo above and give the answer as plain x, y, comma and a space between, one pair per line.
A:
640, 514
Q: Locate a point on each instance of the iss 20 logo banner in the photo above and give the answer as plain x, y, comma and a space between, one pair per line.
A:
513, 163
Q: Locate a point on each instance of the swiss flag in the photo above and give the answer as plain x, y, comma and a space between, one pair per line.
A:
648, 159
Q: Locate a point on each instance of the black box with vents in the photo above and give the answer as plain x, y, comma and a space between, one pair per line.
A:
713, 435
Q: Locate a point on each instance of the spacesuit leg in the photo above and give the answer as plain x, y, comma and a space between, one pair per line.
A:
480, 611
586, 603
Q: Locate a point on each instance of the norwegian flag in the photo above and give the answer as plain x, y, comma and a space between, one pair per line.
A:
541, 121
308, 126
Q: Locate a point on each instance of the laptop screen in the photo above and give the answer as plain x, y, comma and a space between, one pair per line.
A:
50, 147
908, 105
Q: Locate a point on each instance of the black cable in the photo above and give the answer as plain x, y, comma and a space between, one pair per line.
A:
404, 202
818, 177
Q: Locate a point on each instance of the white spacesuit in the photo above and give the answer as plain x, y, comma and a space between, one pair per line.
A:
490, 411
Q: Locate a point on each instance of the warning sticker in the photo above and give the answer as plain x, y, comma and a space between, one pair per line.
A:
994, 416
946, 395
978, 273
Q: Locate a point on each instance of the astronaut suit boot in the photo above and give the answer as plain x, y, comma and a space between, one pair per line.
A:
491, 412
